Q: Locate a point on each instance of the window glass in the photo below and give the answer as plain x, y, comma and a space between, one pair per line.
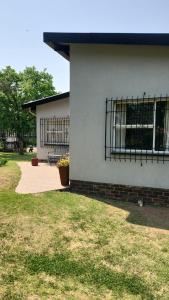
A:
139, 113
139, 138
160, 128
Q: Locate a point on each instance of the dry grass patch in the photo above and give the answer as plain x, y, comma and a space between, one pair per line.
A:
9, 176
58, 245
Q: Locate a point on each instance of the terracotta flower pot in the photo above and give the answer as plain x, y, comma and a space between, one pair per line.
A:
64, 175
34, 162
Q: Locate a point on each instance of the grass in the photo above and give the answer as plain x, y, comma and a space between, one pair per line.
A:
58, 245
17, 157
9, 175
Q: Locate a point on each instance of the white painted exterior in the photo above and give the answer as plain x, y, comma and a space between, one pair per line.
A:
100, 71
59, 108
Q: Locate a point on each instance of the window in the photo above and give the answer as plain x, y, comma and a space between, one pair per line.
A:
54, 131
137, 126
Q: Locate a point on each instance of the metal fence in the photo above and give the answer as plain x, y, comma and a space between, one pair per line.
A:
137, 129
10, 140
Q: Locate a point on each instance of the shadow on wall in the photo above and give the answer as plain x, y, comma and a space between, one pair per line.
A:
150, 216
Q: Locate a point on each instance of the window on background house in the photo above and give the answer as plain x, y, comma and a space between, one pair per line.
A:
54, 131
137, 126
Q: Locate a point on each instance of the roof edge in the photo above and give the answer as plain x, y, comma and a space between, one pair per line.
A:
32, 104
61, 41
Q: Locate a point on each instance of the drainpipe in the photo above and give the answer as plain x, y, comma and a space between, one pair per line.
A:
33, 113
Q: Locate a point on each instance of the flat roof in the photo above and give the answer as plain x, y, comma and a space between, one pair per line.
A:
60, 41
33, 104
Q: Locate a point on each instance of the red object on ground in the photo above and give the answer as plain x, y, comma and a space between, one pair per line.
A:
35, 162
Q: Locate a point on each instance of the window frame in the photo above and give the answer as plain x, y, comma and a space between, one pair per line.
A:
56, 131
51, 127
153, 151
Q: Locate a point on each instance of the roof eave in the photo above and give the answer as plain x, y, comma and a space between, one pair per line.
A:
33, 104
63, 50
61, 42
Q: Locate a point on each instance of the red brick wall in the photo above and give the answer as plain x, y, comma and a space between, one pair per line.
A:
150, 196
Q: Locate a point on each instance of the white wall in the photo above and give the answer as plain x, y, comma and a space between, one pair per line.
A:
100, 71
59, 108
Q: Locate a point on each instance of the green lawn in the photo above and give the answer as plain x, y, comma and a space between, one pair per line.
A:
17, 157
58, 245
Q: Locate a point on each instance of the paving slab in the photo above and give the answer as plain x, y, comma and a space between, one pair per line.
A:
38, 179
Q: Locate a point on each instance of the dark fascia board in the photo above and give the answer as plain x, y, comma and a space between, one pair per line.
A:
33, 104
60, 42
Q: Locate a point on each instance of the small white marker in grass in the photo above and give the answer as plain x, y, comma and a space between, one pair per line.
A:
140, 203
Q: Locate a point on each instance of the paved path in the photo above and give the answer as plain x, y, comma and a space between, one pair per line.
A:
38, 179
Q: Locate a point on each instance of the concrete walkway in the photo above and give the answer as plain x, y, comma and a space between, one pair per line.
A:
38, 179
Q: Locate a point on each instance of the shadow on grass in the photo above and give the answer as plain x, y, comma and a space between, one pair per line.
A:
154, 217
87, 273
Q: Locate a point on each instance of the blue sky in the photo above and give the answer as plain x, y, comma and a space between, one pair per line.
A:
22, 23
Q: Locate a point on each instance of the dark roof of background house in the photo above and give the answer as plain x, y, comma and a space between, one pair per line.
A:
33, 104
60, 42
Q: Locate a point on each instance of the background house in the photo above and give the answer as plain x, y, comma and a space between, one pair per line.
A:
52, 121
8, 141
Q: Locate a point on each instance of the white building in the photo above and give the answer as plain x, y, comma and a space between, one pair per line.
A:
52, 123
119, 132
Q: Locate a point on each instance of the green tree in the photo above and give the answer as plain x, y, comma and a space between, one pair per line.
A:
36, 84
17, 88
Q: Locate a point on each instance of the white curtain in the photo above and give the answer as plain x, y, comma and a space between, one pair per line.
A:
120, 131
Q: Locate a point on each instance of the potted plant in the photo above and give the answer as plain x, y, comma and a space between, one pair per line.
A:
63, 166
34, 161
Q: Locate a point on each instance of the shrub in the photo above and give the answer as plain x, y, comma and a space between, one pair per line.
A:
3, 162
64, 161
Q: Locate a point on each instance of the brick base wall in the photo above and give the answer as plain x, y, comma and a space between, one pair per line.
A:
151, 196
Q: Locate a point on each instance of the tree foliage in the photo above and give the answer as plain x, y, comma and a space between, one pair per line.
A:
17, 88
